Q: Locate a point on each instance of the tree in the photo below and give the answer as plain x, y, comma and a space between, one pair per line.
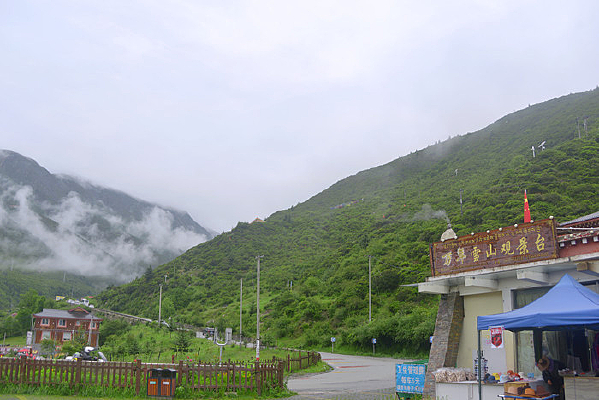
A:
221, 325
148, 349
182, 341
29, 303
77, 343
132, 345
148, 274
48, 346
112, 327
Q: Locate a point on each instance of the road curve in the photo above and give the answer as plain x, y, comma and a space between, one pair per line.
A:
352, 377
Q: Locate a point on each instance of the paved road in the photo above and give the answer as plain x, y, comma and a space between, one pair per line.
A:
352, 377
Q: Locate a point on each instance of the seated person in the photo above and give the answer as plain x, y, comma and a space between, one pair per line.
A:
551, 376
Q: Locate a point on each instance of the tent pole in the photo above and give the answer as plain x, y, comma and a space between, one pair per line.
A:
480, 387
537, 340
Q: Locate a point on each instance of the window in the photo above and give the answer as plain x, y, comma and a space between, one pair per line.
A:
94, 325
46, 335
62, 322
66, 336
45, 321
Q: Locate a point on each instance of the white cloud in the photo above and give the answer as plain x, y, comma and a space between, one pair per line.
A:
89, 239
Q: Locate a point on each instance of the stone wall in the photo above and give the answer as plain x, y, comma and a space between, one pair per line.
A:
446, 340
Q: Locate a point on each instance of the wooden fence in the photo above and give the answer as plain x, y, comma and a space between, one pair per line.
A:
230, 376
302, 361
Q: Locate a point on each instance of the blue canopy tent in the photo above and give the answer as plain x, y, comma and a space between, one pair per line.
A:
568, 305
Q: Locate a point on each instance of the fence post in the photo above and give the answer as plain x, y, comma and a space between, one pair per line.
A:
288, 362
258, 380
22, 370
280, 371
300, 359
137, 377
180, 372
78, 372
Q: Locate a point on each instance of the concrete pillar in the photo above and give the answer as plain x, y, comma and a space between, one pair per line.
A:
446, 340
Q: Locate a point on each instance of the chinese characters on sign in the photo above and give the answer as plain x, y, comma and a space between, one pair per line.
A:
409, 378
510, 245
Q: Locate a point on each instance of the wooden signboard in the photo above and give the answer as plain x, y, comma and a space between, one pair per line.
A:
519, 244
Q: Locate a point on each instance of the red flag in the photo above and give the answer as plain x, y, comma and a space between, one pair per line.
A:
526, 209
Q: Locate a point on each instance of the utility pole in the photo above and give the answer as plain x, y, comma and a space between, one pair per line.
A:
369, 290
160, 306
258, 310
240, 307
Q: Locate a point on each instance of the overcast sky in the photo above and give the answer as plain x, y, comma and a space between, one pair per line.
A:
232, 110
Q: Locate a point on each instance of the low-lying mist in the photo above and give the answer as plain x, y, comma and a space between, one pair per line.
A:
84, 238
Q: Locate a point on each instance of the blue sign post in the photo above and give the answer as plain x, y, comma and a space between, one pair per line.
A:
409, 379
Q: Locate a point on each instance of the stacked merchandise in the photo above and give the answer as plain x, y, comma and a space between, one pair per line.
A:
522, 389
446, 375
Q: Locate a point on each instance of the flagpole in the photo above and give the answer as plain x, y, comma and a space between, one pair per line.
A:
526, 208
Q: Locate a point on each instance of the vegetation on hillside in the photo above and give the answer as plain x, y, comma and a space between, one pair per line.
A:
314, 273
19, 322
14, 282
391, 213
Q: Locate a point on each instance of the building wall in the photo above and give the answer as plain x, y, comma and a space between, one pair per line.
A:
475, 305
446, 339
71, 326
570, 250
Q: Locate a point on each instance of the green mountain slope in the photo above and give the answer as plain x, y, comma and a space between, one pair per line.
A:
16, 282
392, 213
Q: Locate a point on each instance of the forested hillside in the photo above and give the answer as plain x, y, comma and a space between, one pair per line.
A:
16, 282
391, 213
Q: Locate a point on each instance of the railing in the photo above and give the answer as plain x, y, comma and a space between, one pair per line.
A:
232, 376
303, 360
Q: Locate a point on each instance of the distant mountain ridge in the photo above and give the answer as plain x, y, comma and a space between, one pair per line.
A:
60, 222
